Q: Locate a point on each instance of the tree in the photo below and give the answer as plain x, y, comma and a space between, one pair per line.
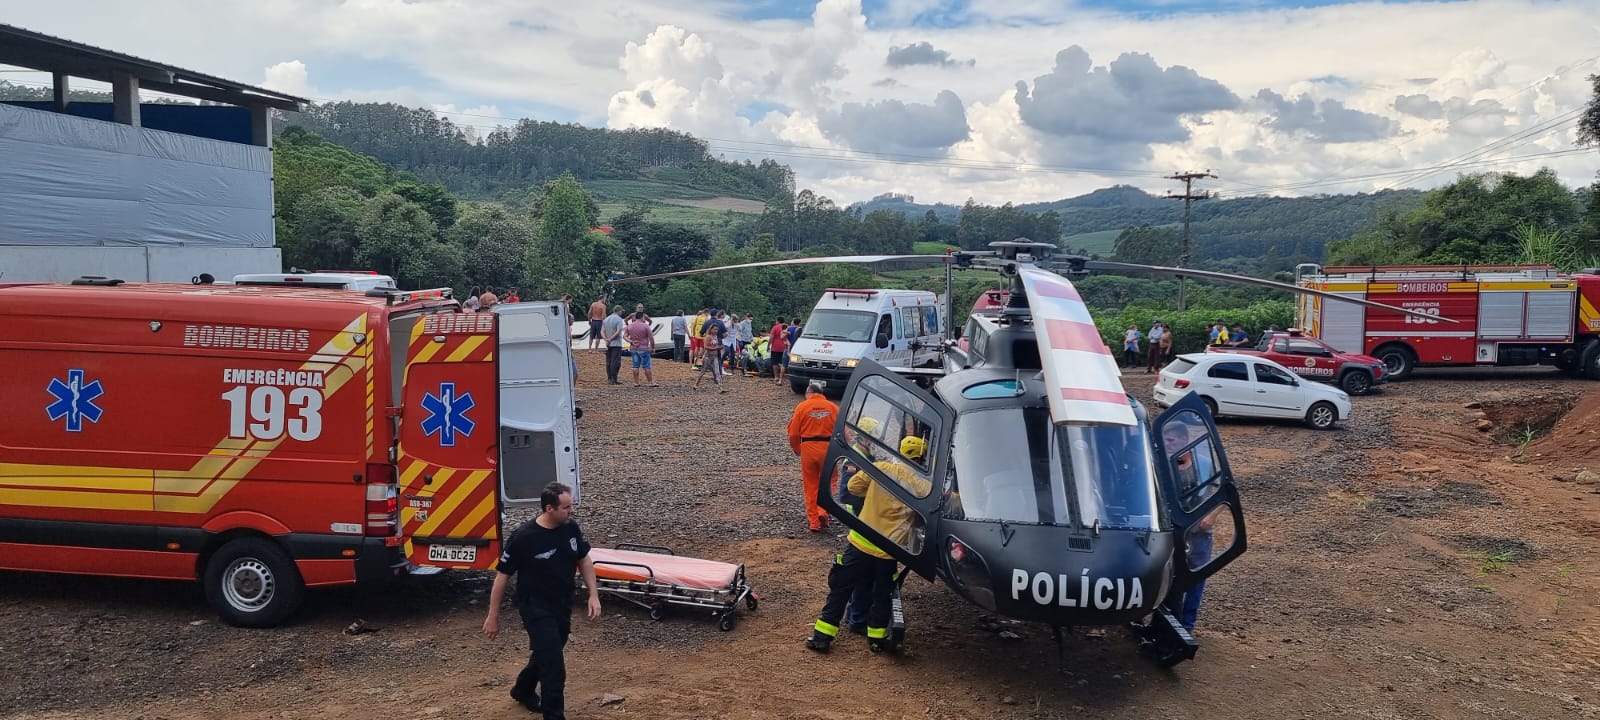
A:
1589, 122
1148, 245
591, 209
397, 238
493, 245
323, 229
680, 294
433, 198
563, 257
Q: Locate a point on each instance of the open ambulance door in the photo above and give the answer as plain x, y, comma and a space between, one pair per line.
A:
446, 457
538, 432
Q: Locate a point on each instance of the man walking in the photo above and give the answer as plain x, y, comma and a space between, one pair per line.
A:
641, 345
597, 315
809, 430
612, 328
680, 334
544, 555
1153, 359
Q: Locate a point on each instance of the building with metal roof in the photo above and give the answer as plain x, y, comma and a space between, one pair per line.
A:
136, 190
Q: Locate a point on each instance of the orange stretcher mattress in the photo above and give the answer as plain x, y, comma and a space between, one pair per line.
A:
667, 569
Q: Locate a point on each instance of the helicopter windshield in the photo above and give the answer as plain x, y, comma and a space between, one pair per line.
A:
849, 325
1009, 466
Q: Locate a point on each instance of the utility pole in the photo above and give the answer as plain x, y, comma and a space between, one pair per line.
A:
1188, 197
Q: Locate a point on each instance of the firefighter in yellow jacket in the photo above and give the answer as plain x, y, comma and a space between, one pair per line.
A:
862, 562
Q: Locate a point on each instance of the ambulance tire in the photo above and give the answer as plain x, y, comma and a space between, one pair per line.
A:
253, 583
1591, 360
1398, 361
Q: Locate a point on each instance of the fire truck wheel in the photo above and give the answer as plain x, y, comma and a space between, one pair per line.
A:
1356, 382
1591, 360
1398, 361
1322, 415
253, 583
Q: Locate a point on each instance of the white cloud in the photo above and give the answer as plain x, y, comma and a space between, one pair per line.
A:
1474, 71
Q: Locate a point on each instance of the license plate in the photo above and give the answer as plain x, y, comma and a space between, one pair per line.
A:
452, 553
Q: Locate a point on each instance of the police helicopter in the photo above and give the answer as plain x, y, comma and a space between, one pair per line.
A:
1047, 493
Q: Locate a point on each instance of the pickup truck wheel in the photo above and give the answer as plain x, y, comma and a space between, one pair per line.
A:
1398, 361
1356, 382
1322, 415
253, 583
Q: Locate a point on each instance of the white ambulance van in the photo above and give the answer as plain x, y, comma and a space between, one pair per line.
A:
896, 328
359, 281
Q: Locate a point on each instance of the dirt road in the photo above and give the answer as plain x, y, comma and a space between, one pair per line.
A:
1404, 566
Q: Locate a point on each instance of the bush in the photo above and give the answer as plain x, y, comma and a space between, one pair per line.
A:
1191, 326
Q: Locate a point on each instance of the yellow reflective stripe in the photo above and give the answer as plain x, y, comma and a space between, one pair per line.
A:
826, 629
877, 633
857, 540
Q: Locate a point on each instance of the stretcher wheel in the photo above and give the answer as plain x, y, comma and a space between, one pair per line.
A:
726, 624
657, 612
751, 602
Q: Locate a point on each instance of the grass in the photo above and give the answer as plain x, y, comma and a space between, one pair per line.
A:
704, 218
1095, 242
1494, 562
924, 247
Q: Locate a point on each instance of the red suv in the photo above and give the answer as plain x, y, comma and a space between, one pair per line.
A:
1314, 359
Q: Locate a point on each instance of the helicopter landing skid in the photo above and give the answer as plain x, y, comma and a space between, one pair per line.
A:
1165, 639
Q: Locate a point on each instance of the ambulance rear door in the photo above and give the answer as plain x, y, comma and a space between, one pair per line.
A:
538, 434
448, 441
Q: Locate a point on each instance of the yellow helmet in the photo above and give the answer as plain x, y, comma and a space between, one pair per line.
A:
913, 447
868, 424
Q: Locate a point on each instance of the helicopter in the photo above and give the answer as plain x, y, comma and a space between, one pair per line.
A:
1047, 492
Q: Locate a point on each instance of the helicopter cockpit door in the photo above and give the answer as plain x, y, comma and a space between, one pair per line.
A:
1201, 498
889, 455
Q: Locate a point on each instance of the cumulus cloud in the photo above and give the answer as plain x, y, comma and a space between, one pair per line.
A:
1419, 105
1326, 121
806, 67
677, 81
288, 77
892, 124
1131, 100
922, 53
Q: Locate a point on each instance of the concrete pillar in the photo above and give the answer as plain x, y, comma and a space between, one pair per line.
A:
125, 98
261, 126
61, 85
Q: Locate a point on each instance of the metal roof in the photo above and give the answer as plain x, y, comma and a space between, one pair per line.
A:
46, 53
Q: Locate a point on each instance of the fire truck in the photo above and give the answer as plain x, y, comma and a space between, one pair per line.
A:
264, 440
1503, 315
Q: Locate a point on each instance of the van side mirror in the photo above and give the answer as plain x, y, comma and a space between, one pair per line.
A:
882, 341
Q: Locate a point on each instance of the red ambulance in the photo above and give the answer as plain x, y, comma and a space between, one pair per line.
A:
264, 440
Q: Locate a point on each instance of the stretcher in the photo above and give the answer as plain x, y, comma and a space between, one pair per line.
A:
655, 578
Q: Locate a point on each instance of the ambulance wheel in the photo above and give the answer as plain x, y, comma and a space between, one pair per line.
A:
798, 386
726, 624
658, 612
1397, 361
1322, 415
1591, 360
1356, 382
253, 583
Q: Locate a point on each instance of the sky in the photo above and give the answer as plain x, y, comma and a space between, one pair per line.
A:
942, 100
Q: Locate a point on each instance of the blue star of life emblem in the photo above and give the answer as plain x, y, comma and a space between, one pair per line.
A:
447, 414
74, 400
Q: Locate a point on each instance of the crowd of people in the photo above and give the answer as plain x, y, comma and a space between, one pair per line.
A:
1155, 347
721, 343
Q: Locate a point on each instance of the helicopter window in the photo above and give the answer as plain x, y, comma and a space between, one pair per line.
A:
846, 325
1013, 464
1193, 460
887, 424
993, 389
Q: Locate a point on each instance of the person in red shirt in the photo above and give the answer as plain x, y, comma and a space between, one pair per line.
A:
809, 430
778, 345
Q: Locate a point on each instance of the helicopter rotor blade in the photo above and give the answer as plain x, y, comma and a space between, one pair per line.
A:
1244, 280
1085, 386
848, 259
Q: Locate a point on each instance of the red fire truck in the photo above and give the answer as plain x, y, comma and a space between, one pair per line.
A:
1504, 315
268, 439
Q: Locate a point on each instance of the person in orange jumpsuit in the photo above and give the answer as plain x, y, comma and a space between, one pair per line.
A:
809, 430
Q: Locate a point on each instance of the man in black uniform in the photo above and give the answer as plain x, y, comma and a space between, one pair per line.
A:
545, 553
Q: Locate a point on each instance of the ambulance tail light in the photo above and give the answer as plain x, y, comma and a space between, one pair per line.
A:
383, 501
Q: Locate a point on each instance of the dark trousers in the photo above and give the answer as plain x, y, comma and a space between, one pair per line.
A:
852, 569
613, 362
545, 677
678, 353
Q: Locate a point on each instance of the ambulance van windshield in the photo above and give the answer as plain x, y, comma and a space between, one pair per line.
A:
845, 325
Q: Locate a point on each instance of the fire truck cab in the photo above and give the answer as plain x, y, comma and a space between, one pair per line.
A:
266, 439
1488, 315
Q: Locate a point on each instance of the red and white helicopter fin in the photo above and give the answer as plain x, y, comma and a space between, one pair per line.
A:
1085, 383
